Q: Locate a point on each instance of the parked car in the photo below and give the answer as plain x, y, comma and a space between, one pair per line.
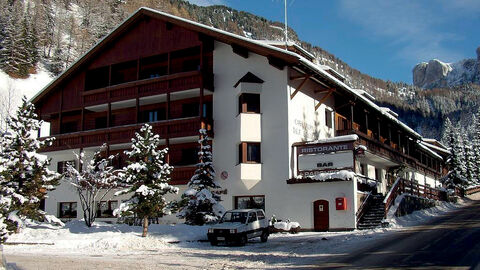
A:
237, 226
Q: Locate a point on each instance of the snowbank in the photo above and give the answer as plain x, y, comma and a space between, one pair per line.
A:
286, 226
75, 237
421, 216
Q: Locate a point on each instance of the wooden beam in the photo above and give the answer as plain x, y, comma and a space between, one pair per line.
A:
299, 87
323, 90
242, 51
276, 62
323, 99
299, 77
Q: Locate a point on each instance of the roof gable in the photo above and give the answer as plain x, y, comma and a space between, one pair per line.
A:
248, 78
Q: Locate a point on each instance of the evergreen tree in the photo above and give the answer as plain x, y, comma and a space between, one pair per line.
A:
24, 176
147, 176
470, 172
202, 206
476, 148
13, 53
93, 181
455, 162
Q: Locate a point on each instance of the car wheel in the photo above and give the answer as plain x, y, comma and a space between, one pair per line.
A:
264, 236
243, 240
213, 243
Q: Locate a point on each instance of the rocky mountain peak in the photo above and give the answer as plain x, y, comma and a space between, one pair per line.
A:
436, 73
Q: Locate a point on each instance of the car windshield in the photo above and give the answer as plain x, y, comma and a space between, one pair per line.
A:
234, 217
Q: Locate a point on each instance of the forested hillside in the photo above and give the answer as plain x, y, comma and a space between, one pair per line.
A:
54, 33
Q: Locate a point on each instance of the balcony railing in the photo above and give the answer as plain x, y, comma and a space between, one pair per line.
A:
123, 134
403, 186
147, 87
181, 175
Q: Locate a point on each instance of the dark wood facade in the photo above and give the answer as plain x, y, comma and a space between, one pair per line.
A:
152, 71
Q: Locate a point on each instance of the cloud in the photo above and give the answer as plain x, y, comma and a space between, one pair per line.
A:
207, 2
415, 28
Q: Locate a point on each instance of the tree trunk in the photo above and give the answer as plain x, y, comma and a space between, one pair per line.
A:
145, 226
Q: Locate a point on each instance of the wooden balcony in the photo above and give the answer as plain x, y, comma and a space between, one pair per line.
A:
123, 134
181, 175
387, 150
148, 87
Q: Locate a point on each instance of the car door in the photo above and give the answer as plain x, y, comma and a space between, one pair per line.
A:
253, 225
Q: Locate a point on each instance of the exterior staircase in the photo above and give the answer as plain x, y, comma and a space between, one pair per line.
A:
374, 213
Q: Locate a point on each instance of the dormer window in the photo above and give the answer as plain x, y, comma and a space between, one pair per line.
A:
249, 103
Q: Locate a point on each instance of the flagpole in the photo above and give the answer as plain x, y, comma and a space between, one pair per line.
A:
286, 27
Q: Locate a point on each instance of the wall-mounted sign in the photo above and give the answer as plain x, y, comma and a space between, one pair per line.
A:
324, 148
224, 175
322, 162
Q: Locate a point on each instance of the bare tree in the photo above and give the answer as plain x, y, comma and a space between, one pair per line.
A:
93, 181
8, 100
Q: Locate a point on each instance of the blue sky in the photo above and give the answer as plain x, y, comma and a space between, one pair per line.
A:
382, 38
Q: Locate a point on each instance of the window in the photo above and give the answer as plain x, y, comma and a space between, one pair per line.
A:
68, 210
62, 165
260, 215
249, 153
189, 156
207, 110
124, 72
328, 118
100, 122
378, 174
96, 78
154, 66
363, 170
252, 217
190, 109
250, 202
153, 115
69, 127
105, 209
249, 103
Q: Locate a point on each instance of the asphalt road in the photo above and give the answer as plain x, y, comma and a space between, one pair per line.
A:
448, 242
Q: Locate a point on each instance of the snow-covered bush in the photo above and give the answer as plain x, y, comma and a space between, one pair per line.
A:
92, 182
147, 177
24, 175
201, 205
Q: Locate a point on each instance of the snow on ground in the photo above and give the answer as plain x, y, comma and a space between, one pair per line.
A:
28, 87
176, 246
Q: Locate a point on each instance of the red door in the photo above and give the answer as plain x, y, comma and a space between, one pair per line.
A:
320, 215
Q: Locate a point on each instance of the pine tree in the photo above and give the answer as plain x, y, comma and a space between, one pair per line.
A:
93, 181
476, 148
470, 172
12, 53
202, 206
24, 177
455, 162
147, 176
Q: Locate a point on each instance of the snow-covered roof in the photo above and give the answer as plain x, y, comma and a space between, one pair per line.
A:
430, 151
289, 43
366, 94
443, 150
217, 33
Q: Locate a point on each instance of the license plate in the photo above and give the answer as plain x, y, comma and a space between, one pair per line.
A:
221, 238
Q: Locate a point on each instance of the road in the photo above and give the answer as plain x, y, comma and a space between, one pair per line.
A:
451, 241
448, 242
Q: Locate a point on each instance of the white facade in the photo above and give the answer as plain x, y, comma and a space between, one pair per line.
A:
286, 117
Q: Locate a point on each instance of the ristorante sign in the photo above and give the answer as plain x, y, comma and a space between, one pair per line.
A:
323, 149
325, 157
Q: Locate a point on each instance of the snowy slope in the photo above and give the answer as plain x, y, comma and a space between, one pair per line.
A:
20, 87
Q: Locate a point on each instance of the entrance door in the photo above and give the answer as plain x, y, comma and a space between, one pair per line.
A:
320, 215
